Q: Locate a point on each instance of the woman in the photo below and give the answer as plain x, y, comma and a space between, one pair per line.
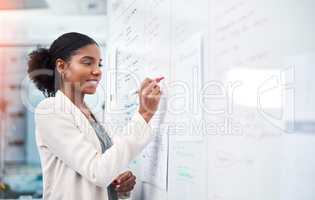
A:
79, 159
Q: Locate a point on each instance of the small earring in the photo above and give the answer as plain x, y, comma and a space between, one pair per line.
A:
62, 76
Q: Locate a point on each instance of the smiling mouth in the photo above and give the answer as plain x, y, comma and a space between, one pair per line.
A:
92, 82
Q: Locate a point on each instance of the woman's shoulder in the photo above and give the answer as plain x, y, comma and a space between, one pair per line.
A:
50, 111
45, 106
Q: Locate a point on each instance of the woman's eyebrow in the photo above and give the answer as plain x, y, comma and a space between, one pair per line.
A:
90, 57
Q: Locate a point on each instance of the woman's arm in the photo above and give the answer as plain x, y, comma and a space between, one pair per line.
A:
59, 133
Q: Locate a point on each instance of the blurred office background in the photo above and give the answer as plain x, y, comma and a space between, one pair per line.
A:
26, 25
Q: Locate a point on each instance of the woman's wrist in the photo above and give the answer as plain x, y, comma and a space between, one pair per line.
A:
123, 195
146, 115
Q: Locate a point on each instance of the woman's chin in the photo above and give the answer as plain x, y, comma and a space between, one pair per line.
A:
89, 90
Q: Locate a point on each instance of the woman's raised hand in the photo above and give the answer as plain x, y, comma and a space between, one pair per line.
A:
149, 96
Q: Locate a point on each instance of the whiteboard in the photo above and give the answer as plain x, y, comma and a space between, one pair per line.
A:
248, 121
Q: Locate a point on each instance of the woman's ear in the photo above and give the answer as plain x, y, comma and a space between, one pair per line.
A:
60, 65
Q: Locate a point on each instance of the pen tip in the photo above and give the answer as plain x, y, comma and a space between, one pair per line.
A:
159, 79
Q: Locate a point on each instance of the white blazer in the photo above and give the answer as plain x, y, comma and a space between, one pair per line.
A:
73, 165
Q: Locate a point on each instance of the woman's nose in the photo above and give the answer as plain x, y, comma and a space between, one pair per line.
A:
97, 71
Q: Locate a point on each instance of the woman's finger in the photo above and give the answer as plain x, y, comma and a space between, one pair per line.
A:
124, 176
146, 82
127, 185
128, 181
156, 91
126, 188
150, 87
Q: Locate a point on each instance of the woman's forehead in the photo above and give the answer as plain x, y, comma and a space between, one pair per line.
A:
91, 51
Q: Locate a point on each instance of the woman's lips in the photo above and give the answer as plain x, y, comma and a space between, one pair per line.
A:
92, 82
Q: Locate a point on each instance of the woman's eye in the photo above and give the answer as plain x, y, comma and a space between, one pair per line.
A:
87, 63
100, 65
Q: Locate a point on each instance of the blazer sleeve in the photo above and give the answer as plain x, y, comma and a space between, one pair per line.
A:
59, 133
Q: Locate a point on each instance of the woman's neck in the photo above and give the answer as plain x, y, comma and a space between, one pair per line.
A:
76, 97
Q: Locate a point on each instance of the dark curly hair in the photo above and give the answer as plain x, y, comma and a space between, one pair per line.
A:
41, 64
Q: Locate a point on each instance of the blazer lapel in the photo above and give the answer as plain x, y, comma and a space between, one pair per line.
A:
63, 103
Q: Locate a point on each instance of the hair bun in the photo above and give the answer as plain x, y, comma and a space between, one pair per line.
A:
40, 59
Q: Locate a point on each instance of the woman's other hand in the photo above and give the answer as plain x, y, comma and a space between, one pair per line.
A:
125, 182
